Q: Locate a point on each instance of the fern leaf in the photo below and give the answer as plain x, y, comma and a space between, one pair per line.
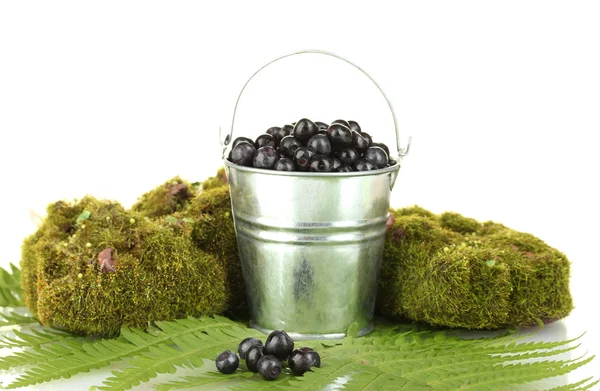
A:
10, 288
211, 378
583, 385
15, 319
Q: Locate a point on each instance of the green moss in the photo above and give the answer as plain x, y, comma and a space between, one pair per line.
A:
159, 273
172, 196
450, 270
216, 181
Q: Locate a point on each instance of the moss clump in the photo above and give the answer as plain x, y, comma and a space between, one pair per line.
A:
449, 270
159, 273
172, 196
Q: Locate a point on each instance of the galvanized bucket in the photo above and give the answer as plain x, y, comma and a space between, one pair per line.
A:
311, 264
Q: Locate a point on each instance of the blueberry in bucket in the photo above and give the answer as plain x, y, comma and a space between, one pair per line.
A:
347, 156
377, 156
288, 145
320, 143
321, 163
303, 157
265, 157
364, 165
305, 129
340, 135
265, 140
285, 164
243, 153
353, 125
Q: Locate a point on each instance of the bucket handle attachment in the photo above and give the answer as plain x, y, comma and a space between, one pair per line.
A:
228, 138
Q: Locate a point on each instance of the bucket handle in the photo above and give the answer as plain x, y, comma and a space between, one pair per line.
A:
401, 151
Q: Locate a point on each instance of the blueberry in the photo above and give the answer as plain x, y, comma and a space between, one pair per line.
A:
323, 132
253, 355
377, 156
243, 153
265, 157
279, 344
320, 144
368, 137
279, 133
265, 140
359, 142
392, 163
341, 121
302, 158
364, 165
382, 146
227, 362
336, 163
288, 146
344, 168
322, 126
301, 360
340, 135
269, 367
240, 139
353, 125
321, 163
348, 156
246, 344
285, 164
305, 129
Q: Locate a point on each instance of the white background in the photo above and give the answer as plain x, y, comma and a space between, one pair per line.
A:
502, 100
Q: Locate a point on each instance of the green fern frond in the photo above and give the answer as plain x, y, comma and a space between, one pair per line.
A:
14, 319
583, 385
10, 287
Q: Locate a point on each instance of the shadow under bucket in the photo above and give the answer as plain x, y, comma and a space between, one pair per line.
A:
310, 246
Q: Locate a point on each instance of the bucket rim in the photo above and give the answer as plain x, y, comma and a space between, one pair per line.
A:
306, 174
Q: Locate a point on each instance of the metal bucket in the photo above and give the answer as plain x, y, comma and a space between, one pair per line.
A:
311, 264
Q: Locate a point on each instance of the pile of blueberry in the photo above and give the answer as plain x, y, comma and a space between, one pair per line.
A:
312, 146
268, 360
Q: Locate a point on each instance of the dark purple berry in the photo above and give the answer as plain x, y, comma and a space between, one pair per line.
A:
246, 344
285, 164
240, 139
392, 163
344, 168
377, 156
340, 135
265, 140
341, 121
269, 367
353, 125
229, 156
323, 132
265, 157
359, 142
320, 144
301, 360
288, 145
322, 126
279, 344
382, 146
336, 163
305, 129
368, 137
364, 165
243, 153
302, 158
253, 355
321, 163
348, 156
279, 133
227, 362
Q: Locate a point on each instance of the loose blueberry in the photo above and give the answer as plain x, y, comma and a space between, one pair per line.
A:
253, 355
359, 142
321, 163
341, 121
246, 344
279, 344
364, 165
227, 362
302, 158
265, 140
340, 135
348, 156
336, 163
269, 367
288, 145
285, 164
320, 144
382, 146
353, 125
376, 155
301, 360
322, 126
305, 129
240, 139
243, 153
344, 168
265, 157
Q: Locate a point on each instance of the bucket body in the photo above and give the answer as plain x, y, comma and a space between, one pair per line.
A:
310, 245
